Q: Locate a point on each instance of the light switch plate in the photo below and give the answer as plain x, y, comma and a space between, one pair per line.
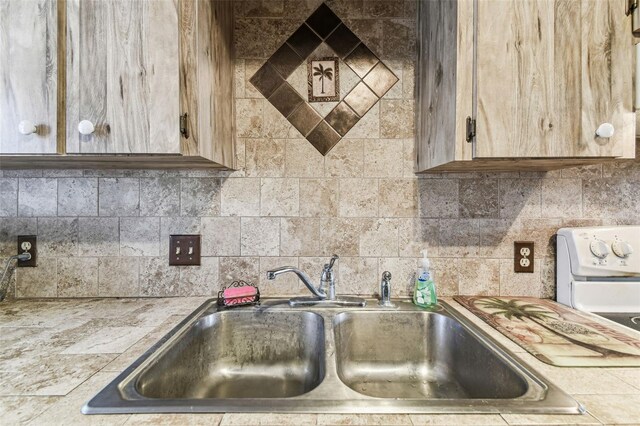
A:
184, 250
523, 256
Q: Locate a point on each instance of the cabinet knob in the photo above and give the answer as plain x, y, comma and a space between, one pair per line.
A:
26, 127
605, 130
85, 127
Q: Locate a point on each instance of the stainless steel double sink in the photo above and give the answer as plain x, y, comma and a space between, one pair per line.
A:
273, 358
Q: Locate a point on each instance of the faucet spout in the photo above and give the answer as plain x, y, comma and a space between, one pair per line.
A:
272, 274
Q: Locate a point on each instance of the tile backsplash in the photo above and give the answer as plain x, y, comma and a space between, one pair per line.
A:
106, 232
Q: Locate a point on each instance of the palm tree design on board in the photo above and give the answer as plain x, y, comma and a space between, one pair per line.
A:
511, 309
322, 73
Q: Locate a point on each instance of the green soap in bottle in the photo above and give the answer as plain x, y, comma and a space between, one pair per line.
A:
424, 294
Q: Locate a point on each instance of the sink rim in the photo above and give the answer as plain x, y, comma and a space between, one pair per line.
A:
331, 395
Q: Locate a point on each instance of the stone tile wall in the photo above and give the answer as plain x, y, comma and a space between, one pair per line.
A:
105, 233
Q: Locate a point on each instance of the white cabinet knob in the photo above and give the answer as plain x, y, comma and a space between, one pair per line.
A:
26, 127
605, 130
85, 127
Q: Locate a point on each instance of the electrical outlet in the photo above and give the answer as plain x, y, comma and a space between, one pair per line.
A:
28, 244
523, 256
184, 250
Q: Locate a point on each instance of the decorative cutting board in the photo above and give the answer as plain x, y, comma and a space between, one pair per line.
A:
555, 334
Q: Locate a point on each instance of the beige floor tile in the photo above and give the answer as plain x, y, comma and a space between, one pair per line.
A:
108, 340
42, 314
550, 419
125, 359
627, 375
363, 419
67, 410
108, 308
587, 381
613, 409
56, 375
268, 419
175, 419
580, 380
22, 409
155, 311
457, 419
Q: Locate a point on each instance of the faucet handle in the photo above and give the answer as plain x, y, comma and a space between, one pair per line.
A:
329, 266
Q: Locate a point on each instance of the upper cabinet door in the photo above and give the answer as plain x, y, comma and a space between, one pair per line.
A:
515, 84
28, 76
549, 73
122, 77
607, 87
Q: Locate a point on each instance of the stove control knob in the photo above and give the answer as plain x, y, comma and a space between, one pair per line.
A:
599, 248
622, 249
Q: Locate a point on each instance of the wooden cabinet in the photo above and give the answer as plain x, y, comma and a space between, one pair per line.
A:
538, 77
28, 76
145, 83
122, 77
207, 96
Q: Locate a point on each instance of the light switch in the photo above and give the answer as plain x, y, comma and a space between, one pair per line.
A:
184, 250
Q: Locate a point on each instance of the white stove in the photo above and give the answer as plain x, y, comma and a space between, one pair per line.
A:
598, 270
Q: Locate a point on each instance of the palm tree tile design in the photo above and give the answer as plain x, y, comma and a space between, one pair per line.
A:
322, 73
323, 25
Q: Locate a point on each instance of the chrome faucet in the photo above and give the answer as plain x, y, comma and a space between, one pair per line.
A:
325, 293
319, 292
385, 290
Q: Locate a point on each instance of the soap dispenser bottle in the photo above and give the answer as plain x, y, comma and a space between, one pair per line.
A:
424, 294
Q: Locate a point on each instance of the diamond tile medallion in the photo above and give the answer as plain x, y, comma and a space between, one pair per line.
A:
283, 79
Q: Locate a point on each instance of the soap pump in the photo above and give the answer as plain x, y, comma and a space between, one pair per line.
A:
424, 294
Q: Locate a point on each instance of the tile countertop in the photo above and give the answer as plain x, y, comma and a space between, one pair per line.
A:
56, 354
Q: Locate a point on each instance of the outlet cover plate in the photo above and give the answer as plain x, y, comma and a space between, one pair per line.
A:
184, 250
523, 256
33, 249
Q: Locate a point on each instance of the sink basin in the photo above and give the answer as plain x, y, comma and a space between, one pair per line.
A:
240, 354
419, 355
329, 359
